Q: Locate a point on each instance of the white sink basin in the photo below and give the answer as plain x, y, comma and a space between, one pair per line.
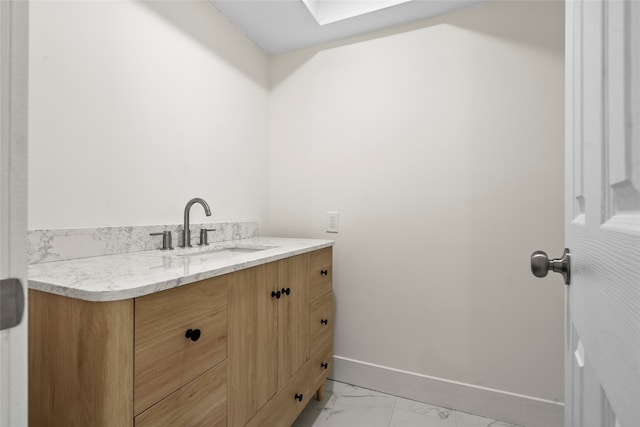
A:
226, 251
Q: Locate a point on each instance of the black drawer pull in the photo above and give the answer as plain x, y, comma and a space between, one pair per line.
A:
324, 365
193, 334
286, 291
324, 272
275, 294
298, 397
324, 321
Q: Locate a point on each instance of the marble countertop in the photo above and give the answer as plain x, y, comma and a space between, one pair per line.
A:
134, 274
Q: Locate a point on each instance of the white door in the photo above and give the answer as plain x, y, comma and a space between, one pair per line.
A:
602, 213
13, 211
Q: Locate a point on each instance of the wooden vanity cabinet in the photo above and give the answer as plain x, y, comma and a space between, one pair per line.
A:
260, 354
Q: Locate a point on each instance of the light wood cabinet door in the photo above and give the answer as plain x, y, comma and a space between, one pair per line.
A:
200, 403
165, 358
253, 341
293, 316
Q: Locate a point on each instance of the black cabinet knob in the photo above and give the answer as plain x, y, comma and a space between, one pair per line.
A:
324, 365
275, 294
298, 397
324, 321
324, 272
286, 291
193, 334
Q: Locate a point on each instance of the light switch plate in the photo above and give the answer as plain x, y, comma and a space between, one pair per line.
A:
333, 219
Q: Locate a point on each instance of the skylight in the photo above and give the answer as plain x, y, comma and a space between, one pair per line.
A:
330, 11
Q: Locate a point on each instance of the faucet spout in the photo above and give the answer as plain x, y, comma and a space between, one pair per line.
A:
186, 232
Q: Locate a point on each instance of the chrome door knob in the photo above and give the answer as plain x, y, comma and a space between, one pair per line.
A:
541, 265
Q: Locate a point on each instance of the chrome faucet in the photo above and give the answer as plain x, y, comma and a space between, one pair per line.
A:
186, 232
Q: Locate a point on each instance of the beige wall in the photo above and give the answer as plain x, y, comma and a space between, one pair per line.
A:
442, 148
135, 108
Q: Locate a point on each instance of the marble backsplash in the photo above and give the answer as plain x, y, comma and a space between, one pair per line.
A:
72, 243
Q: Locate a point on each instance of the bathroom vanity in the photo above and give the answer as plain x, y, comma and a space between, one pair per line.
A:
238, 334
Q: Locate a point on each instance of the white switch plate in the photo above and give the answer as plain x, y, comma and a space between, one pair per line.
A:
333, 219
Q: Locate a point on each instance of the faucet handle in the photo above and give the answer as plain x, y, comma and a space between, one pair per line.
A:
166, 239
204, 236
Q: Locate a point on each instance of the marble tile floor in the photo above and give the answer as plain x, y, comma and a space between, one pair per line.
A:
345, 405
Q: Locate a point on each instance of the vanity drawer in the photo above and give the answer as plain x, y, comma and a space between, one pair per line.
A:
165, 358
321, 319
288, 403
321, 272
202, 402
322, 361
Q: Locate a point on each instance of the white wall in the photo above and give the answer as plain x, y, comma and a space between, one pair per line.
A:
441, 146
135, 108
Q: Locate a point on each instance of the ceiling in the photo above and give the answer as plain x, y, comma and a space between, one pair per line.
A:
279, 26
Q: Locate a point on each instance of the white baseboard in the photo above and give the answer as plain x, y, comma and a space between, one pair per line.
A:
495, 404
